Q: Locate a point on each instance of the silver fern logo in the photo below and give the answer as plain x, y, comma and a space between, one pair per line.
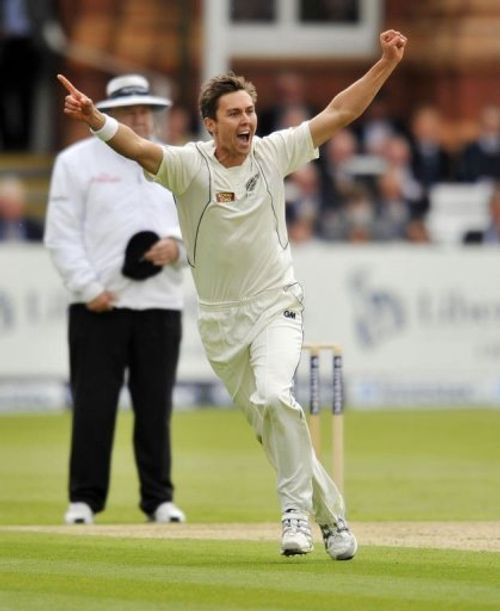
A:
250, 185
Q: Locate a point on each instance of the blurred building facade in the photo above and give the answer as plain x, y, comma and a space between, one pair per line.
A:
452, 58
451, 65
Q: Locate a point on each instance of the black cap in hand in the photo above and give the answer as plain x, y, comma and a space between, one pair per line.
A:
135, 266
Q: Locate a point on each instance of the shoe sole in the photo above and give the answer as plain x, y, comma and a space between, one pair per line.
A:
295, 551
345, 555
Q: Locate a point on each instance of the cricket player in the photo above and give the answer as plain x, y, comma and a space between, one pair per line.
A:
231, 205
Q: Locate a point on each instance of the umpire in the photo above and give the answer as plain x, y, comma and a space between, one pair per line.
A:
115, 240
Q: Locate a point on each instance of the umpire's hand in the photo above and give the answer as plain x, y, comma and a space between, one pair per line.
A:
102, 303
165, 251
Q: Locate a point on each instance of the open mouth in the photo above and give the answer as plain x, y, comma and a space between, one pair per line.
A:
244, 137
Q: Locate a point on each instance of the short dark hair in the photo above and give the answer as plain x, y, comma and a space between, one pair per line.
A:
218, 86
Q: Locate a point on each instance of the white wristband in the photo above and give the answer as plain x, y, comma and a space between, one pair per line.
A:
108, 130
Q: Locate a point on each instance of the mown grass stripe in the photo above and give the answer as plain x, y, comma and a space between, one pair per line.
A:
227, 573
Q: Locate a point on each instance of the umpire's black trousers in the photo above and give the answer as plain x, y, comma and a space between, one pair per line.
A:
103, 346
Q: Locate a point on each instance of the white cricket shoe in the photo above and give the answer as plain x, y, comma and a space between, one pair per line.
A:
79, 513
168, 512
296, 537
340, 543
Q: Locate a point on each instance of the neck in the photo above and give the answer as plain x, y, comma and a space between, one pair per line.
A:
229, 160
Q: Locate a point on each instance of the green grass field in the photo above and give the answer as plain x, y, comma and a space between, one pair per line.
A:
440, 465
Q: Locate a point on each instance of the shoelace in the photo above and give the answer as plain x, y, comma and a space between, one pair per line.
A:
328, 531
296, 524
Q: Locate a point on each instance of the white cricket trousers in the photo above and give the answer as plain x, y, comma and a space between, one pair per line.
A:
254, 347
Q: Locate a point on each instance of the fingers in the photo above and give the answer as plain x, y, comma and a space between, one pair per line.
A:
152, 251
160, 248
165, 251
102, 303
388, 34
157, 256
393, 44
394, 37
402, 40
67, 84
76, 105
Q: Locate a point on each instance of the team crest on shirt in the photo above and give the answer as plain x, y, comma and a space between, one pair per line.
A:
250, 186
223, 197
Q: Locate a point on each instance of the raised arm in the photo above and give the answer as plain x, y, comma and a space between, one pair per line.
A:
349, 104
124, 141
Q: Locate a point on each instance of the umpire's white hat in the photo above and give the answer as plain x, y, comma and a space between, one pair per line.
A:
131, 90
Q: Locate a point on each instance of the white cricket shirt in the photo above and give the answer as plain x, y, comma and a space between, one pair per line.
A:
233, 219
98, 200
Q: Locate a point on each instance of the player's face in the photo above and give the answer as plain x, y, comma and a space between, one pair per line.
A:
233, 128
139, 118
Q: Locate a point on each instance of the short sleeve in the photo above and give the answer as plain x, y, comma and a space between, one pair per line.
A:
290, 148
179, 166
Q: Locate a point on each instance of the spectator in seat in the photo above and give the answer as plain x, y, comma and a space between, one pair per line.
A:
336, 176
393, 208
480, 159
431, 163
354, 221
15, 225
376, 127
397, 155
302, 203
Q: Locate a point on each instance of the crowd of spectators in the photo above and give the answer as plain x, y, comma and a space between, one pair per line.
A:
373, 180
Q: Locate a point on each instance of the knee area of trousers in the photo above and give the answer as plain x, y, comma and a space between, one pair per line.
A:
274, 398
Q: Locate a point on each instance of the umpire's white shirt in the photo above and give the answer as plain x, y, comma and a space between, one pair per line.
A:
97, 201
233, 219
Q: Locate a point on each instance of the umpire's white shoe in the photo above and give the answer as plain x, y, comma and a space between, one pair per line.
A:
340, 543
297, 536
79, 513
168, 512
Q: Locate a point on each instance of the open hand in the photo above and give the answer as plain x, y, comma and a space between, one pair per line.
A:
393, 45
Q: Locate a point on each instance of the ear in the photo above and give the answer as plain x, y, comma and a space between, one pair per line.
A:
209, 124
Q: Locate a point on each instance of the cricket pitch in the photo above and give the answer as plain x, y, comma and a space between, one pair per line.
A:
473, 536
